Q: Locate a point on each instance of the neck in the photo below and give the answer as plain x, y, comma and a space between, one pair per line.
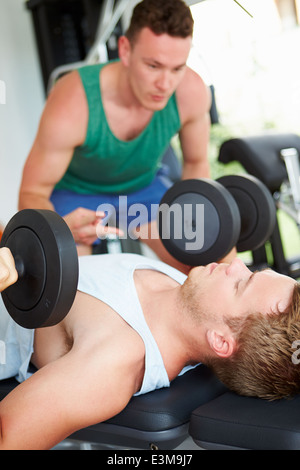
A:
127, 97
124, 89
125, 115
177, 334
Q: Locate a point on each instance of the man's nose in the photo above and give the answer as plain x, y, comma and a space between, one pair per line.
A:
237, 266
164, 81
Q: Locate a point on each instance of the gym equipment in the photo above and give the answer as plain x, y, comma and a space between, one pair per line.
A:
234, 422
256, 208
46, 260
201, 221
273, 159
260, 156
181, 220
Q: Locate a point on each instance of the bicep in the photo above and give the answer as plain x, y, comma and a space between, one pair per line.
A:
195, 101
62, 127
60, 399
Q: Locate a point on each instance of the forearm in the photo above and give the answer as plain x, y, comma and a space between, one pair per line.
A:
194, 140
197, 169
30, 200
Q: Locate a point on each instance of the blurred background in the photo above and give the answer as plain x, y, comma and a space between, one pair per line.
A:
251, 59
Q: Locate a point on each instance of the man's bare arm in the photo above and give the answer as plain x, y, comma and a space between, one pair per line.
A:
62, 128
194, 101
80, 389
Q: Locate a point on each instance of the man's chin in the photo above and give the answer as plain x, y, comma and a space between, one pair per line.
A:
156, 105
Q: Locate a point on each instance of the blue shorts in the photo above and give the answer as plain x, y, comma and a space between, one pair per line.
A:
138, 208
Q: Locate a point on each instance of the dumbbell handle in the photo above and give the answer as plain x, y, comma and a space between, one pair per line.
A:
19, 264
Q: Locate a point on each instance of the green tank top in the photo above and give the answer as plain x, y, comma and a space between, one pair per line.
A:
105, 164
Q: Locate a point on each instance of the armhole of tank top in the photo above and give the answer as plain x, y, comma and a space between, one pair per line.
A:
90, 80
175, 104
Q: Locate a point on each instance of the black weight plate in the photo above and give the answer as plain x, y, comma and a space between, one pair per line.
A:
31, 266
46, 257
198, 221
257, 209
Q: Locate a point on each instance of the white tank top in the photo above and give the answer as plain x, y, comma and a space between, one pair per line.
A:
109, 278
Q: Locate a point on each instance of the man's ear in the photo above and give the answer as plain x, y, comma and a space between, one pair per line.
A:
124, 50
223, 346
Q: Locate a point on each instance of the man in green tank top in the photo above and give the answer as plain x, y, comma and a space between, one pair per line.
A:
105, 128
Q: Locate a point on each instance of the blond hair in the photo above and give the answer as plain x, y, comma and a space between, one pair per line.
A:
264, 364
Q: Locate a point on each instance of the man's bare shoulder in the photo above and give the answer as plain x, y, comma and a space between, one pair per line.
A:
66, 107
112, 368
67, 85
193, 96
101, 336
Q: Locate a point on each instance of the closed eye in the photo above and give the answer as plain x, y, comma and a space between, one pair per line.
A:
248, 282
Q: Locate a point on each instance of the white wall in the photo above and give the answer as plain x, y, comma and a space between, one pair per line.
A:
24, 99
20, 75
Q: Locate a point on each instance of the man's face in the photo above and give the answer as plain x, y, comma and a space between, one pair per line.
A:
232, 290
156, 65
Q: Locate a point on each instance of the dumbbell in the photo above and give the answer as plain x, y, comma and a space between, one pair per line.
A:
46, 260
202, 220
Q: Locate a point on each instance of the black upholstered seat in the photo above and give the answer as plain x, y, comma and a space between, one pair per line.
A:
234, 422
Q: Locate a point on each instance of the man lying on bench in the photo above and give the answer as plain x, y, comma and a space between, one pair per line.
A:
136, 323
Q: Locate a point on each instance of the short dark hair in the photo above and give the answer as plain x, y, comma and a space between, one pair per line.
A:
172, 17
